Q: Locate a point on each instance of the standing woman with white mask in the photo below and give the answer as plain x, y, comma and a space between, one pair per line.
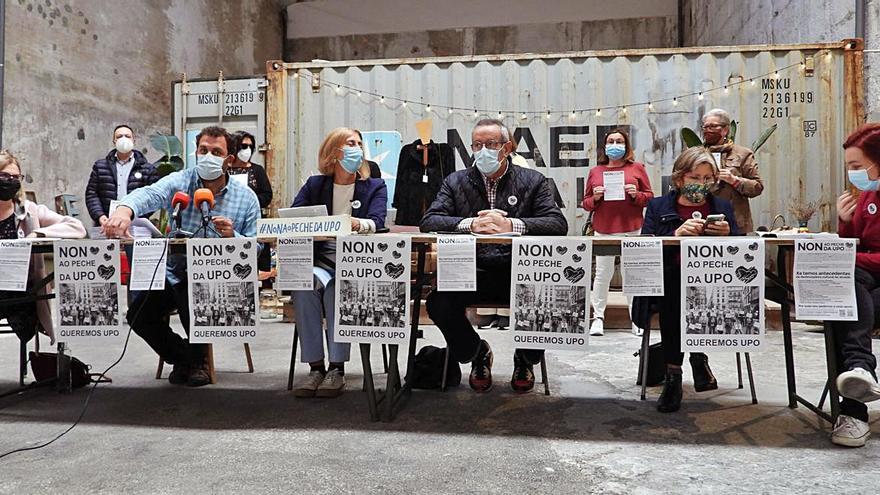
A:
252, 174
614, 216
344, 186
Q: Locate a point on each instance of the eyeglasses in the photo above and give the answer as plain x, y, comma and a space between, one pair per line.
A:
699, 180
5, 176
714, 127
492, 145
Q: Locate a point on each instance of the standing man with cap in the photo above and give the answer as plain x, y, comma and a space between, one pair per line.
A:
123, 170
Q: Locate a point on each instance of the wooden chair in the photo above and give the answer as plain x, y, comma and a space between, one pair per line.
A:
211, 370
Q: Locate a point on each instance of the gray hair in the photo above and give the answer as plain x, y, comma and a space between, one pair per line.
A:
505, 134
717, 112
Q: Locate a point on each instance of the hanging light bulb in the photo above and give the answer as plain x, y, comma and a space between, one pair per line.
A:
752, 82
403, 104
381, 99
338, 89
450, 111
650, 106
428, 108
598, 112
359, 94
573, 115
523, 117
476, 114
623, 109
726, 90
700, 96
296, 75
500, 115
776, 75
675, 101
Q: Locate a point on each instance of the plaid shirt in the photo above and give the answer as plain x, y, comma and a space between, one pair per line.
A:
235, 201
491, 189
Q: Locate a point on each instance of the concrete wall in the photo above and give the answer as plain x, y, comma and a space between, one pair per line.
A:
351, 29
76, 68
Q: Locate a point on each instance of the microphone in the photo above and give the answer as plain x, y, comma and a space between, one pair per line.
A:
179, 202
204, 200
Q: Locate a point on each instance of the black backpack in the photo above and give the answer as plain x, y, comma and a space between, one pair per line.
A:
427, 369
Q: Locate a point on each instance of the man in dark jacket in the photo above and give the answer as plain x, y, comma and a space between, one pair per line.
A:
123, 170
492, 197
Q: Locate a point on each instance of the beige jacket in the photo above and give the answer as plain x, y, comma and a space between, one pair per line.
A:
33, 218
741, 163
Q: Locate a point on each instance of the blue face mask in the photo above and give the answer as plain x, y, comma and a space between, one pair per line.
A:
859, 178
352, 157
486, 161
615, 151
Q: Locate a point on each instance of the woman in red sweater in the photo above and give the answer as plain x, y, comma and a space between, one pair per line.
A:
858, 218
614, 216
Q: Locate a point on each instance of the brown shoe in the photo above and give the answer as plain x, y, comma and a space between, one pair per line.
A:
523, 379
179, 374
198, 376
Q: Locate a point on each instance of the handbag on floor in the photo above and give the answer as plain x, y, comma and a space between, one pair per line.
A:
45, 367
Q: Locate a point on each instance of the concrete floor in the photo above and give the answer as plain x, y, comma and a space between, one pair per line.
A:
593, 435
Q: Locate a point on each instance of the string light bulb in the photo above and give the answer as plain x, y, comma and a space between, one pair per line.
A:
450, 111
598, 112
752, 82
776, 75
428, 108
650, 106
623, 109
403, 104
548, 115
675, 101
523, 117
700, 96
726, 90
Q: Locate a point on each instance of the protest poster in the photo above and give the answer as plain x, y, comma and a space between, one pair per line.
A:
15, 261
372, 289
296, 257
641, 266
549, 290
824, 287
456, 263
614, 186
722, 294
335, 225
87, 306
223, 293
149, 259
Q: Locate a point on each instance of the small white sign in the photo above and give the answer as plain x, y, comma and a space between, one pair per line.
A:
613, 182
717, 157
372, 289
15, 261
641, 264
296, 257
223, 297
149, 259
336, 225
87, 306
456, 263
549, 290
824, 285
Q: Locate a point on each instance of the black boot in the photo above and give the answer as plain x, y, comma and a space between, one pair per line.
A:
703, 378
670, 398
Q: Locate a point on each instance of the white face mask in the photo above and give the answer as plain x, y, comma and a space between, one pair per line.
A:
124, 145
486, 161
245, 154
209, 166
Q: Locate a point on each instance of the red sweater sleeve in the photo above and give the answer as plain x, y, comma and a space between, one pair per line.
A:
645, 193
589, 204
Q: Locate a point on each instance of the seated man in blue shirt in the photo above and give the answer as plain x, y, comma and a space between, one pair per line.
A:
493, 196
235, 213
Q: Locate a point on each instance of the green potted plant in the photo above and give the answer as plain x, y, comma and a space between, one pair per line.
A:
171, 161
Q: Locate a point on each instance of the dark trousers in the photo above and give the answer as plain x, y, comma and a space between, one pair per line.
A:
21, 317
447, 310
670, 318
853, 339
153, 309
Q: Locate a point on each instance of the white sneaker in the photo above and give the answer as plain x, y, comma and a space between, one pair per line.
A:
309, 385
850, 432
597, 328
332, 386
858, 384
638, 332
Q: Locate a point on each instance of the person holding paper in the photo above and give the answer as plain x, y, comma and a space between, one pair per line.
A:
493, 196
614, 217
123, 170
254, 176
20, 218
344, 186
738, 177
234, 214
683, 212
858, 219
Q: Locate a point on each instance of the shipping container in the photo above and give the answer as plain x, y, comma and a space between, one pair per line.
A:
559, 107
237, 104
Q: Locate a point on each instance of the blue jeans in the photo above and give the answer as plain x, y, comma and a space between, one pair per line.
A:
311, 308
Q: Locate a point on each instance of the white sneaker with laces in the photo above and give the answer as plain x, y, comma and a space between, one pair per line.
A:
638, 332
597, 328
850, 432
332, 386
309, 385
858, 384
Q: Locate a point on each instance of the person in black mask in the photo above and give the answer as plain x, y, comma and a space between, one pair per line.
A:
20, 218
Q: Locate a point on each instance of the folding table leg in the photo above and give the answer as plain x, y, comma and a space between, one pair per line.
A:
370, 388
643, 358
739, 371
831, 359
292, 358
789, 357
751, 378
544, 379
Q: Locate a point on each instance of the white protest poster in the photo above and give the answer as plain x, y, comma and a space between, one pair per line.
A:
149, 258
549, 290
613, 182
641, 265
295, 261
87, 305
722, 294
15, 260
372, 289
456, 263
824, 285
222, 290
